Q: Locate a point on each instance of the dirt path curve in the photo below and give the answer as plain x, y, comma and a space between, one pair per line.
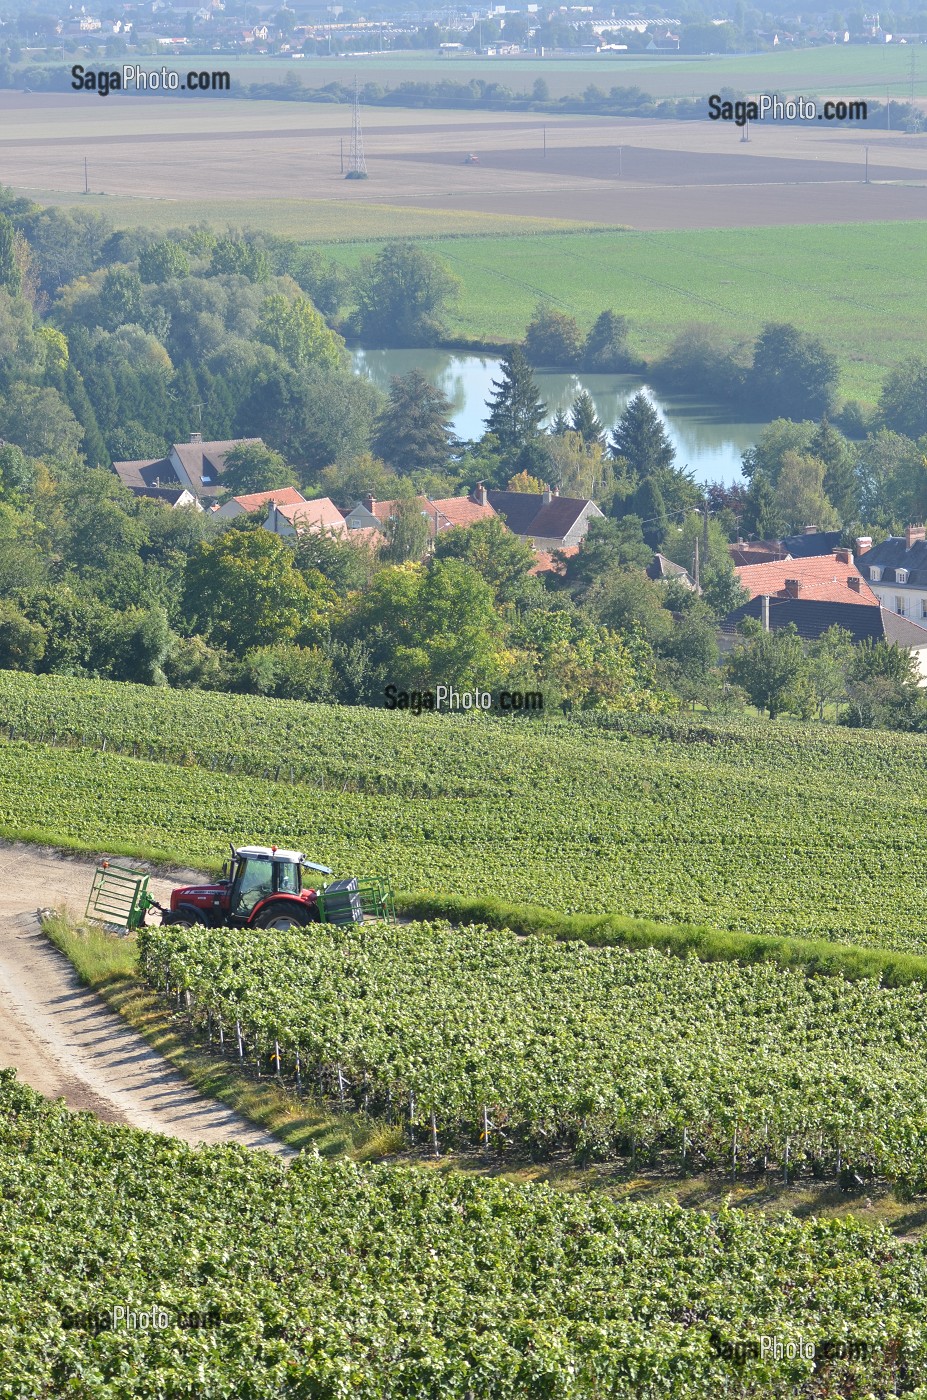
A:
62, 1038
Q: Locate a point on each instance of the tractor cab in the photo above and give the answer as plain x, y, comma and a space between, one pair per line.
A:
256, 873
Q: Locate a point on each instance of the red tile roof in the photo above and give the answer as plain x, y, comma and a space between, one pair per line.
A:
545, 563
282, 496
320, 514
461, 510
823, 578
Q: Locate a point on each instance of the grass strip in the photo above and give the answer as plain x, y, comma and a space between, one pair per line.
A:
816, 957
108, 963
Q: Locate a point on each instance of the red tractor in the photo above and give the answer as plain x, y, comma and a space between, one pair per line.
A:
262, 887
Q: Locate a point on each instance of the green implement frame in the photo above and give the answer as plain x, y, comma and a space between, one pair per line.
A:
119, 896
352, 901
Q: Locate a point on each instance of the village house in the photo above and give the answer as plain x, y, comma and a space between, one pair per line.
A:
441, 515
547, 521
827, 578
194, 467
257, 500
896, 571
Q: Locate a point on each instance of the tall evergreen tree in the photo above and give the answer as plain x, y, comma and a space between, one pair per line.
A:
584, 419
648, 505
93, 446
641, 439
515, 409
840, 480
414, 432
9, 267
559, 424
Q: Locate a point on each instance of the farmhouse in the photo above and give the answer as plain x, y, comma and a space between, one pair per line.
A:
896, 571
548, 520
194, 467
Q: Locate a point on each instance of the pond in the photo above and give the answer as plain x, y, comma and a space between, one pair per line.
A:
708, 438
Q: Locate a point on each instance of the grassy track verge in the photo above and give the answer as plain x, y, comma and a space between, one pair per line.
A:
108, 964
815, 956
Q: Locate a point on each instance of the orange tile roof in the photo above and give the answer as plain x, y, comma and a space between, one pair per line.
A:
320, 514
461, 510
545, 563
282, 496
823, 578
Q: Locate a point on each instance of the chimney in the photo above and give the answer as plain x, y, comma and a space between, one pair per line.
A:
863, 544
764, 611
478, 494
854, 582
914, 534
810, 530
793, 587
843, 556
548, 496
369, 503
556, 490
196, 437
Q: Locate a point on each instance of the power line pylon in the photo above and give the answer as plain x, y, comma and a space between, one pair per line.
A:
357, 165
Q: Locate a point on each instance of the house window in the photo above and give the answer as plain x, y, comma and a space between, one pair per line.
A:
899, 605
924, 607
874, 573
901, 575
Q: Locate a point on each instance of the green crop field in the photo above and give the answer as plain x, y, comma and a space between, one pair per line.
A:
848, 283
562, 1046
387, 1283
840, 69
309, 219
757, 827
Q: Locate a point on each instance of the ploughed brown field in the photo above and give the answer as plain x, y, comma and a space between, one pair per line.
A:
668, 174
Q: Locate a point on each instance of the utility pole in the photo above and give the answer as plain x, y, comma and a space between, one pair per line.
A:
695, 565
867, 165
705, 533
544, 129
341, 144
619, 162
86, 178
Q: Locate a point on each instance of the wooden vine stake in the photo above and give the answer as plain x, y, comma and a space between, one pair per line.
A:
434, 1135
241, 1048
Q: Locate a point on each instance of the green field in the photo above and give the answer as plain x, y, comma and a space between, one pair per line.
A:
839, 69
309, 219
753, 827
848, 283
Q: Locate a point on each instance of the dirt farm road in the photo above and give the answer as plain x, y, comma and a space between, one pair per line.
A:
61, 1037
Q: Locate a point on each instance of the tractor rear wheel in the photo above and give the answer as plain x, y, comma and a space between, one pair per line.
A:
281, 919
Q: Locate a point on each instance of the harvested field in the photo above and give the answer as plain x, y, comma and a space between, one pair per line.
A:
169, 155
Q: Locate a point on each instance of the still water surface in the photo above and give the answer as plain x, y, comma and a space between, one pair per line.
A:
707, 438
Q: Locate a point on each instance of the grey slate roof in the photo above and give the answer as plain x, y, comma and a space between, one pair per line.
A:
147, 476
807, 546
812, 619
526, 514
893, 554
